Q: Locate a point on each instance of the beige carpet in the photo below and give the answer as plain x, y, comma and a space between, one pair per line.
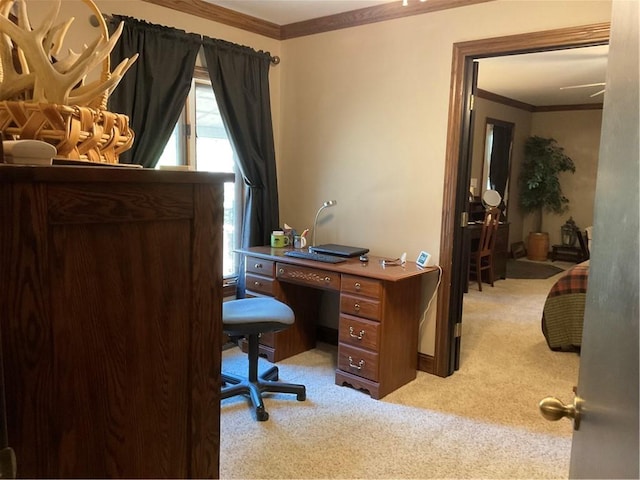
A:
481, 422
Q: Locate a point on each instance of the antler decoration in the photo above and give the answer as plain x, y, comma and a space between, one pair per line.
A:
40, 78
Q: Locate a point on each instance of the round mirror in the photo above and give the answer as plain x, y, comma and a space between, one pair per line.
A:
491, 198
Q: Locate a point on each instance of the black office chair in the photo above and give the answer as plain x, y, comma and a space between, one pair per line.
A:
250, 317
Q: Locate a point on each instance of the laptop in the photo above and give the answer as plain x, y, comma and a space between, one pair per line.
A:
339, 250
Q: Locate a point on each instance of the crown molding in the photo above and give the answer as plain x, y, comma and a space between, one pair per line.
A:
510, 102
364, 16
566, 108
354, 18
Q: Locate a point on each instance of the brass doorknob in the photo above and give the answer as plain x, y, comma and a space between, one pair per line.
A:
554, 409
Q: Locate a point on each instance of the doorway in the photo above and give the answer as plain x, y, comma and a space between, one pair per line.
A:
457, 168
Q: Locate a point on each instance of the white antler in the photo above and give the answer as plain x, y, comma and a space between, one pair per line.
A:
59, 81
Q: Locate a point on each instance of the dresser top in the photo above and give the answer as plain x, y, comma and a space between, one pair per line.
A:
67, 173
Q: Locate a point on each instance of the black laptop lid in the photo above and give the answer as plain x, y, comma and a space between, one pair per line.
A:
339, 250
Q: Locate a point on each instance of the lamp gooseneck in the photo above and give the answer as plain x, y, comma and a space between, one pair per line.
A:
328, 203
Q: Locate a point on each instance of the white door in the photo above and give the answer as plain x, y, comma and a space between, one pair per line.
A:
606, 443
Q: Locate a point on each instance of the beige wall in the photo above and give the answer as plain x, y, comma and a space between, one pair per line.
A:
578, 132
365, 122
360, 115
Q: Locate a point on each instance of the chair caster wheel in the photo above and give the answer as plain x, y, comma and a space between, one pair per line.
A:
301, 397
261, 415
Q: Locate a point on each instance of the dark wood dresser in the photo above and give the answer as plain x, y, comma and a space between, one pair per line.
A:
110, 316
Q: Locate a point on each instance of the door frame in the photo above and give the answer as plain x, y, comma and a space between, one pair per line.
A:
447, 353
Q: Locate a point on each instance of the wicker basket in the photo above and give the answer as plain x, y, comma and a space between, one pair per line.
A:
85, 133
78, 133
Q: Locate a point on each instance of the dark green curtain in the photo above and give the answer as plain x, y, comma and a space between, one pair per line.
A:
500, 155
240, 79
153, 92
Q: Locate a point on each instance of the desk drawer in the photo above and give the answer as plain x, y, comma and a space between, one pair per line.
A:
361, 286
360, 306
260, 284
312, 277
358, 361
359, 332
268, 339
259, 266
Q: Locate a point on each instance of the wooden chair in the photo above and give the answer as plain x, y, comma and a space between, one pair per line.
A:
584, 248
482, 258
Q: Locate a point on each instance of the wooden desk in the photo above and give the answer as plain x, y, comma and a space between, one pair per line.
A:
379, 314
111, 320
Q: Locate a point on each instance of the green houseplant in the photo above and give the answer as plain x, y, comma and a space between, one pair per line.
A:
540, 188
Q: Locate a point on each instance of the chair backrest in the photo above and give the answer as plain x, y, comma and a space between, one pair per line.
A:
583, 245
489, 231
589, 234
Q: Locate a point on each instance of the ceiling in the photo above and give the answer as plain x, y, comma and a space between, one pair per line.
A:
285, 12
535, 79
538, 78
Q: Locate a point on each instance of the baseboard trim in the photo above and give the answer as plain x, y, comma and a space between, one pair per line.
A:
426, 363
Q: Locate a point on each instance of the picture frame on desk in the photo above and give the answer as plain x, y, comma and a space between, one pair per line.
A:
423, 259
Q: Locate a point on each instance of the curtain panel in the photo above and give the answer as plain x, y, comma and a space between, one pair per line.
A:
153, 92
240, 79
500, 155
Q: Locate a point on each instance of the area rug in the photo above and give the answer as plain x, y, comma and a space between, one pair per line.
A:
530, 270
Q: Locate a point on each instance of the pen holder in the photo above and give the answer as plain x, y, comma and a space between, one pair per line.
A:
299, 241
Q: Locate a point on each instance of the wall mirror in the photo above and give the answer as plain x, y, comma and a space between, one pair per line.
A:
496, 169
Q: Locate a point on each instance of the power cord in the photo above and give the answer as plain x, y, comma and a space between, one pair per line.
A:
435, 291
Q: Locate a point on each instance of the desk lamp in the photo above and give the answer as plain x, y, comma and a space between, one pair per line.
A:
328, 203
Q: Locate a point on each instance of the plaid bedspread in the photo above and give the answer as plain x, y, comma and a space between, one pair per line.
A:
563, 313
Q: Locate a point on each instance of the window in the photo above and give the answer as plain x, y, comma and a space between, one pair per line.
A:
209, 150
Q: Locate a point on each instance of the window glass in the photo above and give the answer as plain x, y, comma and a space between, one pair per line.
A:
209, 150
214, 153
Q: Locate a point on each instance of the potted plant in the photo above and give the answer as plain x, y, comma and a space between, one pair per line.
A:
540, 188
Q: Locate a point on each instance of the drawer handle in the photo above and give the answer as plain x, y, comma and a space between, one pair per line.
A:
359, 366
257, 284
327, 279
281, 271
356, 307
358, 286
359, 336
258, 265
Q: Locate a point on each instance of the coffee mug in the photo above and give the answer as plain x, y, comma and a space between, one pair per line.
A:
279, 239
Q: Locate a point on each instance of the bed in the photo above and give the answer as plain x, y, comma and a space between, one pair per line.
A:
563, 313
